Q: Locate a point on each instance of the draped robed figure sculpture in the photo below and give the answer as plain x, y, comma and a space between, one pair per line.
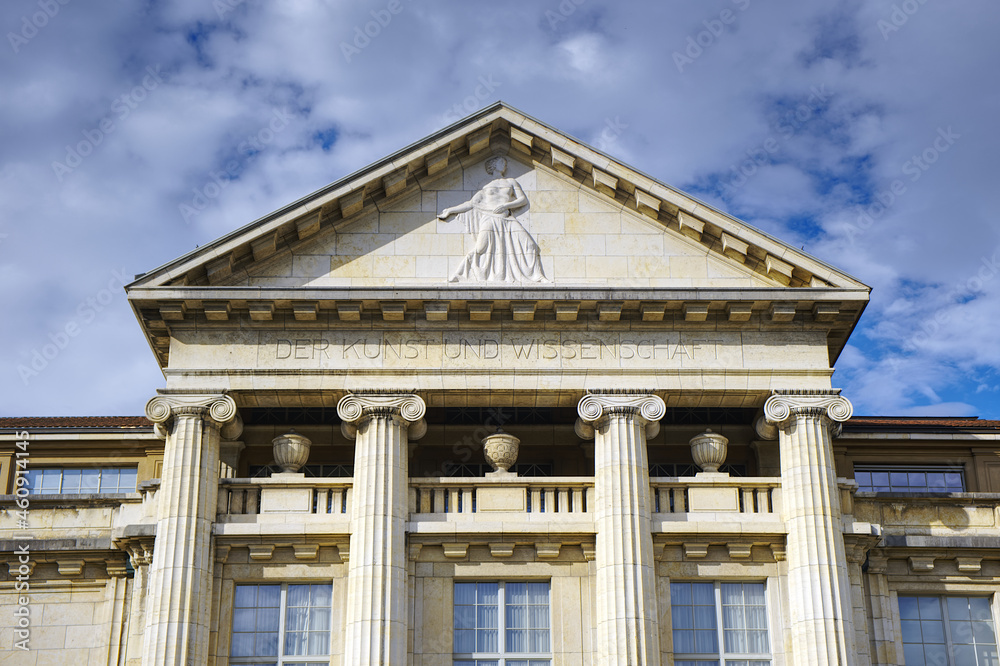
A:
504, 250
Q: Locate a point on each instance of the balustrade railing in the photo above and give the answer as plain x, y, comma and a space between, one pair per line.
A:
248, 497
750, 495
548, 495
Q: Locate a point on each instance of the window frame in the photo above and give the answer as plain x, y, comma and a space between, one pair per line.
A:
720, 656
63, 469
280, 659
946, 621
502, 656
944, 468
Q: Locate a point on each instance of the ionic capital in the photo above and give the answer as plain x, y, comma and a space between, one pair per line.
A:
409, 408
218, 408
597, 405
783, 407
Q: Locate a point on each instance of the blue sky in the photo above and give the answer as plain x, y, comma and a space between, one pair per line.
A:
863, 132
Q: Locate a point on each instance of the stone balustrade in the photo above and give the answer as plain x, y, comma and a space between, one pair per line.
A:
533, 495
716, 493
283, 493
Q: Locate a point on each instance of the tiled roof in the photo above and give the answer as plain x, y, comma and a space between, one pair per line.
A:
906, 422
39, 422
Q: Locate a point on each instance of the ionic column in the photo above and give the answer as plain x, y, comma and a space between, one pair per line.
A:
178, 601
382, 424
818, 583
627, 631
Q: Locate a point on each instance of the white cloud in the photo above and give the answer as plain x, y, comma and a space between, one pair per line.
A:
888, 99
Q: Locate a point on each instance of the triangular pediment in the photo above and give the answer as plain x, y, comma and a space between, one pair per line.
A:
594, 221
551, 220
574, 236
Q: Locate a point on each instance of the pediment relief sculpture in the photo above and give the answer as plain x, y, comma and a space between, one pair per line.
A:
504, 250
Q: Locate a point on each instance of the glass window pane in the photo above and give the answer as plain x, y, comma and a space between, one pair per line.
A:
242, 645
71, 481
933, 631
930, 607
703, 594
913, 654
465, 617
465, 641
267, 619
980, 608
127, 480
911, 631
465, 593
487, 593
486, 640
908, 608
958, 608
680, 594
268, 596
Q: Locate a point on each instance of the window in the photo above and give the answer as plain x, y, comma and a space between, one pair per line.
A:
502, 624
281, 624
947, 631
81, 480
909, 479
715, 622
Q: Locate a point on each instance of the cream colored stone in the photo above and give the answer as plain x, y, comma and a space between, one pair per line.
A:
500, 499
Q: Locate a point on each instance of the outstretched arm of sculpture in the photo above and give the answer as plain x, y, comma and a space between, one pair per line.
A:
520, 198
460, 208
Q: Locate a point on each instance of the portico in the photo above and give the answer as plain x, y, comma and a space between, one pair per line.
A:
396, 340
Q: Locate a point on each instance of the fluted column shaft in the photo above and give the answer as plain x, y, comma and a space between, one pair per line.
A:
178, 601
818, 581
627, 631
376, 580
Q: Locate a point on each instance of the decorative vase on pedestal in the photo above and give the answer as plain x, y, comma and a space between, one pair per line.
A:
291, 451
501, 452
709, 451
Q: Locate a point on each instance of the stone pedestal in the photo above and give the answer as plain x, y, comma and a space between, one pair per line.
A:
627, 631
381, 424
818, 583
180, 577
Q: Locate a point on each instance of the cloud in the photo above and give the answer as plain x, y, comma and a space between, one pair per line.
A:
228, 66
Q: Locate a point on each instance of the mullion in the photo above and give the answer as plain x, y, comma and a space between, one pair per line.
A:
720, 630
282, 610
946, 620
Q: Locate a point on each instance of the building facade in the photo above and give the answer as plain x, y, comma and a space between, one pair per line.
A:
499, 399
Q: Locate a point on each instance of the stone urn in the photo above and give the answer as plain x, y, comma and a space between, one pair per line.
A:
291, 451
709, 451
500, 449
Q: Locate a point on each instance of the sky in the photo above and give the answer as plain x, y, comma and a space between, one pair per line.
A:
863, 132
